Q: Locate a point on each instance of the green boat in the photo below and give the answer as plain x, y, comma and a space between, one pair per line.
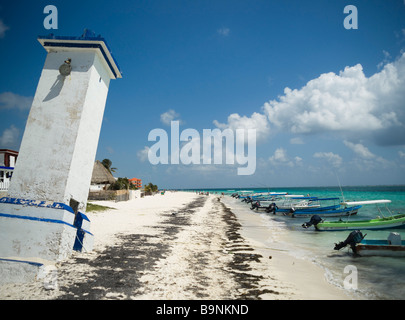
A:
392, 221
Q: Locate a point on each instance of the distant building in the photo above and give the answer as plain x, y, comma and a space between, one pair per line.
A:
136, 182
8, 159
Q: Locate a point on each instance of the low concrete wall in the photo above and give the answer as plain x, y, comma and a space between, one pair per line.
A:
112, 195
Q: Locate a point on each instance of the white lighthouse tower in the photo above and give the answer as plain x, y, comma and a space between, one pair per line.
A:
43, 216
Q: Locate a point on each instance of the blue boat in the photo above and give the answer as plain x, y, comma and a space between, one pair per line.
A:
335, 210
300, 206
324, 212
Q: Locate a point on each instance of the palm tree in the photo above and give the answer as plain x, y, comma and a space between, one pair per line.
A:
150, 187
107, 163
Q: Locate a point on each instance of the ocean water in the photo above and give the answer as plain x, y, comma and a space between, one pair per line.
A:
362, 277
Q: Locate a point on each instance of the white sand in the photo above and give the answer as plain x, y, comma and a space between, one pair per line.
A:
196, 263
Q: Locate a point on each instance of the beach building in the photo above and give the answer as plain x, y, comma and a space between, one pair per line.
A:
136, 182
8, 159
43, 218
101, 178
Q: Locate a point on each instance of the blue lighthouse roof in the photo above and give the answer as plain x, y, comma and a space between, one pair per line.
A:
87, 40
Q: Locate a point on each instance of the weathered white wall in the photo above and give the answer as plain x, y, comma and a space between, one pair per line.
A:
133, 194
82, 164
39, 229
60, 140
49, 241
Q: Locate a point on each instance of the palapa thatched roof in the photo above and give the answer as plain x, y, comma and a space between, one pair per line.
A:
101, 175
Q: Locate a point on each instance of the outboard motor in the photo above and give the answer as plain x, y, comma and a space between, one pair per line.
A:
291, 212
315, 219
255, 205
271, 208
354, 238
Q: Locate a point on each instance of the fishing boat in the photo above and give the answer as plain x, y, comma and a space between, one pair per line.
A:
306, 210
269, 197
384, 222
282, 203
393, 246
317, 206
309, 206
330, 212
270, 208
297, 202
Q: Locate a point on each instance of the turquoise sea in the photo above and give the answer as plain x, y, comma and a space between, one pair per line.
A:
377, 277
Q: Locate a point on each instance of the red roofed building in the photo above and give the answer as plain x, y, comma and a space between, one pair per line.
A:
136, 182
8, 159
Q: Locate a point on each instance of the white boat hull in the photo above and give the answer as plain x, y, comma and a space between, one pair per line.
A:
380, 250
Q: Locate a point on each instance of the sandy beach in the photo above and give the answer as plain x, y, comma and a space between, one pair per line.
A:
179, 246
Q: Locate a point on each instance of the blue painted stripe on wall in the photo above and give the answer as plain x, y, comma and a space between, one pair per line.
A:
35, 203
84, 216
23, 261
6, 215
40, 219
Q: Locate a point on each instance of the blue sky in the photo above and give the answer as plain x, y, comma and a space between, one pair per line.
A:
325, 101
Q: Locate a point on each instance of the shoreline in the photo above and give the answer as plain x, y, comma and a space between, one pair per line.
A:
307, 280
179, 246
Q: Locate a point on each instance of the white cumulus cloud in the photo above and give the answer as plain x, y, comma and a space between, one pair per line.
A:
143, 154
9, 137
365, 158
10, 100
360, 150
346, 102
332, 158
169, 116
256, 121
280, 157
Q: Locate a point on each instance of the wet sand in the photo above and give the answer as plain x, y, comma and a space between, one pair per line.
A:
177, 246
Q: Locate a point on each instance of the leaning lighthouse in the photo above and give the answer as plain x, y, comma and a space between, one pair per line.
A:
43, 215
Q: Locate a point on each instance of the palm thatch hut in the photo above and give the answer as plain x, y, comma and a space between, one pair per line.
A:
101, 178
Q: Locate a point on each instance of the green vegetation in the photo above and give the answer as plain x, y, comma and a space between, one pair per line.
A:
122, 184
150, 187
107, 163
91, 207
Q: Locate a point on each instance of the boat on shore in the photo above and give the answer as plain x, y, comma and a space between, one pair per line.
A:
385, 222
393, 246
317, 207
297, 202
306, 207
326, 212
282, 203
